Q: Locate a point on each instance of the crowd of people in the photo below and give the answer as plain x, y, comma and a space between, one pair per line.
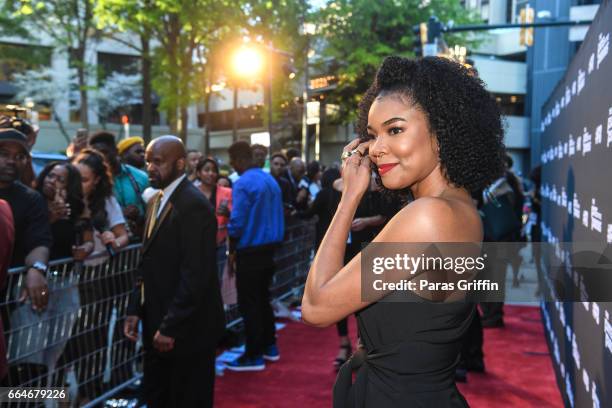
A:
95, 203
198, 225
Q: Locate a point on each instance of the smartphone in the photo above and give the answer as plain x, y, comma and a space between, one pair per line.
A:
82, 134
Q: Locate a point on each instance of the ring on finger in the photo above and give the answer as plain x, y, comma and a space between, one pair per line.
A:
346, 155
362, 154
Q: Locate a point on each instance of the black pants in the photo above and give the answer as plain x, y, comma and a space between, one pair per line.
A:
492, 312
254, 271
473, 342
179, 380
493, 309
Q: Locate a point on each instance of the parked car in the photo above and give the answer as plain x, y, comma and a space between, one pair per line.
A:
40, 160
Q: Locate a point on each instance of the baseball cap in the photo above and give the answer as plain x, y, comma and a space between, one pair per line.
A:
15, 136
20, 124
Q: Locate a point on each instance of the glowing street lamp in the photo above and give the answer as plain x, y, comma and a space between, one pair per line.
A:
247, 62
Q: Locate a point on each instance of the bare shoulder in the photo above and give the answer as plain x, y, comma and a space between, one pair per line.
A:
434, 219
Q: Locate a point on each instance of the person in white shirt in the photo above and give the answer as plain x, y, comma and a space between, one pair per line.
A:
101, 206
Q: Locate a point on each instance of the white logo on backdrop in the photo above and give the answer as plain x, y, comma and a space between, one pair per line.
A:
591, 217
603, 46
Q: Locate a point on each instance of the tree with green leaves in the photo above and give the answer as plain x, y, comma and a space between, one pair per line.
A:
185, 34
359, 34
273, 27
71, 25
135, 17
42, 87
12, 24
185, 31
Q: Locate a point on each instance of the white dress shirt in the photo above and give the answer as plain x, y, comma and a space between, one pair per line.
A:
168, 192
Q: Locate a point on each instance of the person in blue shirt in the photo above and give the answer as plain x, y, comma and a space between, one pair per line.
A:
128, 183
255, 228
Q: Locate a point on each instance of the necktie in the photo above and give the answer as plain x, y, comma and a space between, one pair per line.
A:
150, 228
154, 211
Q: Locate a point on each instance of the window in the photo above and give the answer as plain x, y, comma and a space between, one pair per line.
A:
249, 117
510, 104
18, 58
109, 63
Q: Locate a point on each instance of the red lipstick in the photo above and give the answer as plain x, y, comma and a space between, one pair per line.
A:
384, 168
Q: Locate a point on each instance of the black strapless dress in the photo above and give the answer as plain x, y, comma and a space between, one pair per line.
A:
411, 351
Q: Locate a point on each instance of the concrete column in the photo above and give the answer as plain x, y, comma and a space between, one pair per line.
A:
59, 67
192, 117
497, 11
91, 58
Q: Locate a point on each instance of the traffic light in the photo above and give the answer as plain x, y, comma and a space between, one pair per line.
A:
426, 37
420, 38
526, 17
434, 36
434, 30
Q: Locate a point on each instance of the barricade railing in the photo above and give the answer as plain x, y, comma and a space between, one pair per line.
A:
77, 341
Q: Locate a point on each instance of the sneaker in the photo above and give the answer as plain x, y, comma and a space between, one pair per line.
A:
244, 363
271, 353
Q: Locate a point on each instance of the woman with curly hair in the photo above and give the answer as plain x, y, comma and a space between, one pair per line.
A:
60, 184
102, 207
431, 133
100, 287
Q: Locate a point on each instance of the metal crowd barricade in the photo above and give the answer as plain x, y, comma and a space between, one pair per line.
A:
77, 341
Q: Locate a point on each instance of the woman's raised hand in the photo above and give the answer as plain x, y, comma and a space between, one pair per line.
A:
59, 209
356, 171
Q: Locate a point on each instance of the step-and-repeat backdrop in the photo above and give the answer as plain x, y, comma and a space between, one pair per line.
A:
577, 207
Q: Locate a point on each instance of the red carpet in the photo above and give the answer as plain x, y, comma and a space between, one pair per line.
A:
520, 374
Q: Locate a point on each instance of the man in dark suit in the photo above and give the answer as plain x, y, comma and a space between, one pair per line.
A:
177, 292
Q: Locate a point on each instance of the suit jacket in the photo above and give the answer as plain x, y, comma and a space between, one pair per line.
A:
179, 272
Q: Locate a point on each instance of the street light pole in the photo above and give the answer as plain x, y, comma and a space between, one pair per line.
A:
304, 102
308, 29
235, 114
271, 53
240, 69
270, 77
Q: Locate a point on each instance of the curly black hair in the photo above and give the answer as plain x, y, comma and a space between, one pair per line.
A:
74, 188
103, 190
462, 115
